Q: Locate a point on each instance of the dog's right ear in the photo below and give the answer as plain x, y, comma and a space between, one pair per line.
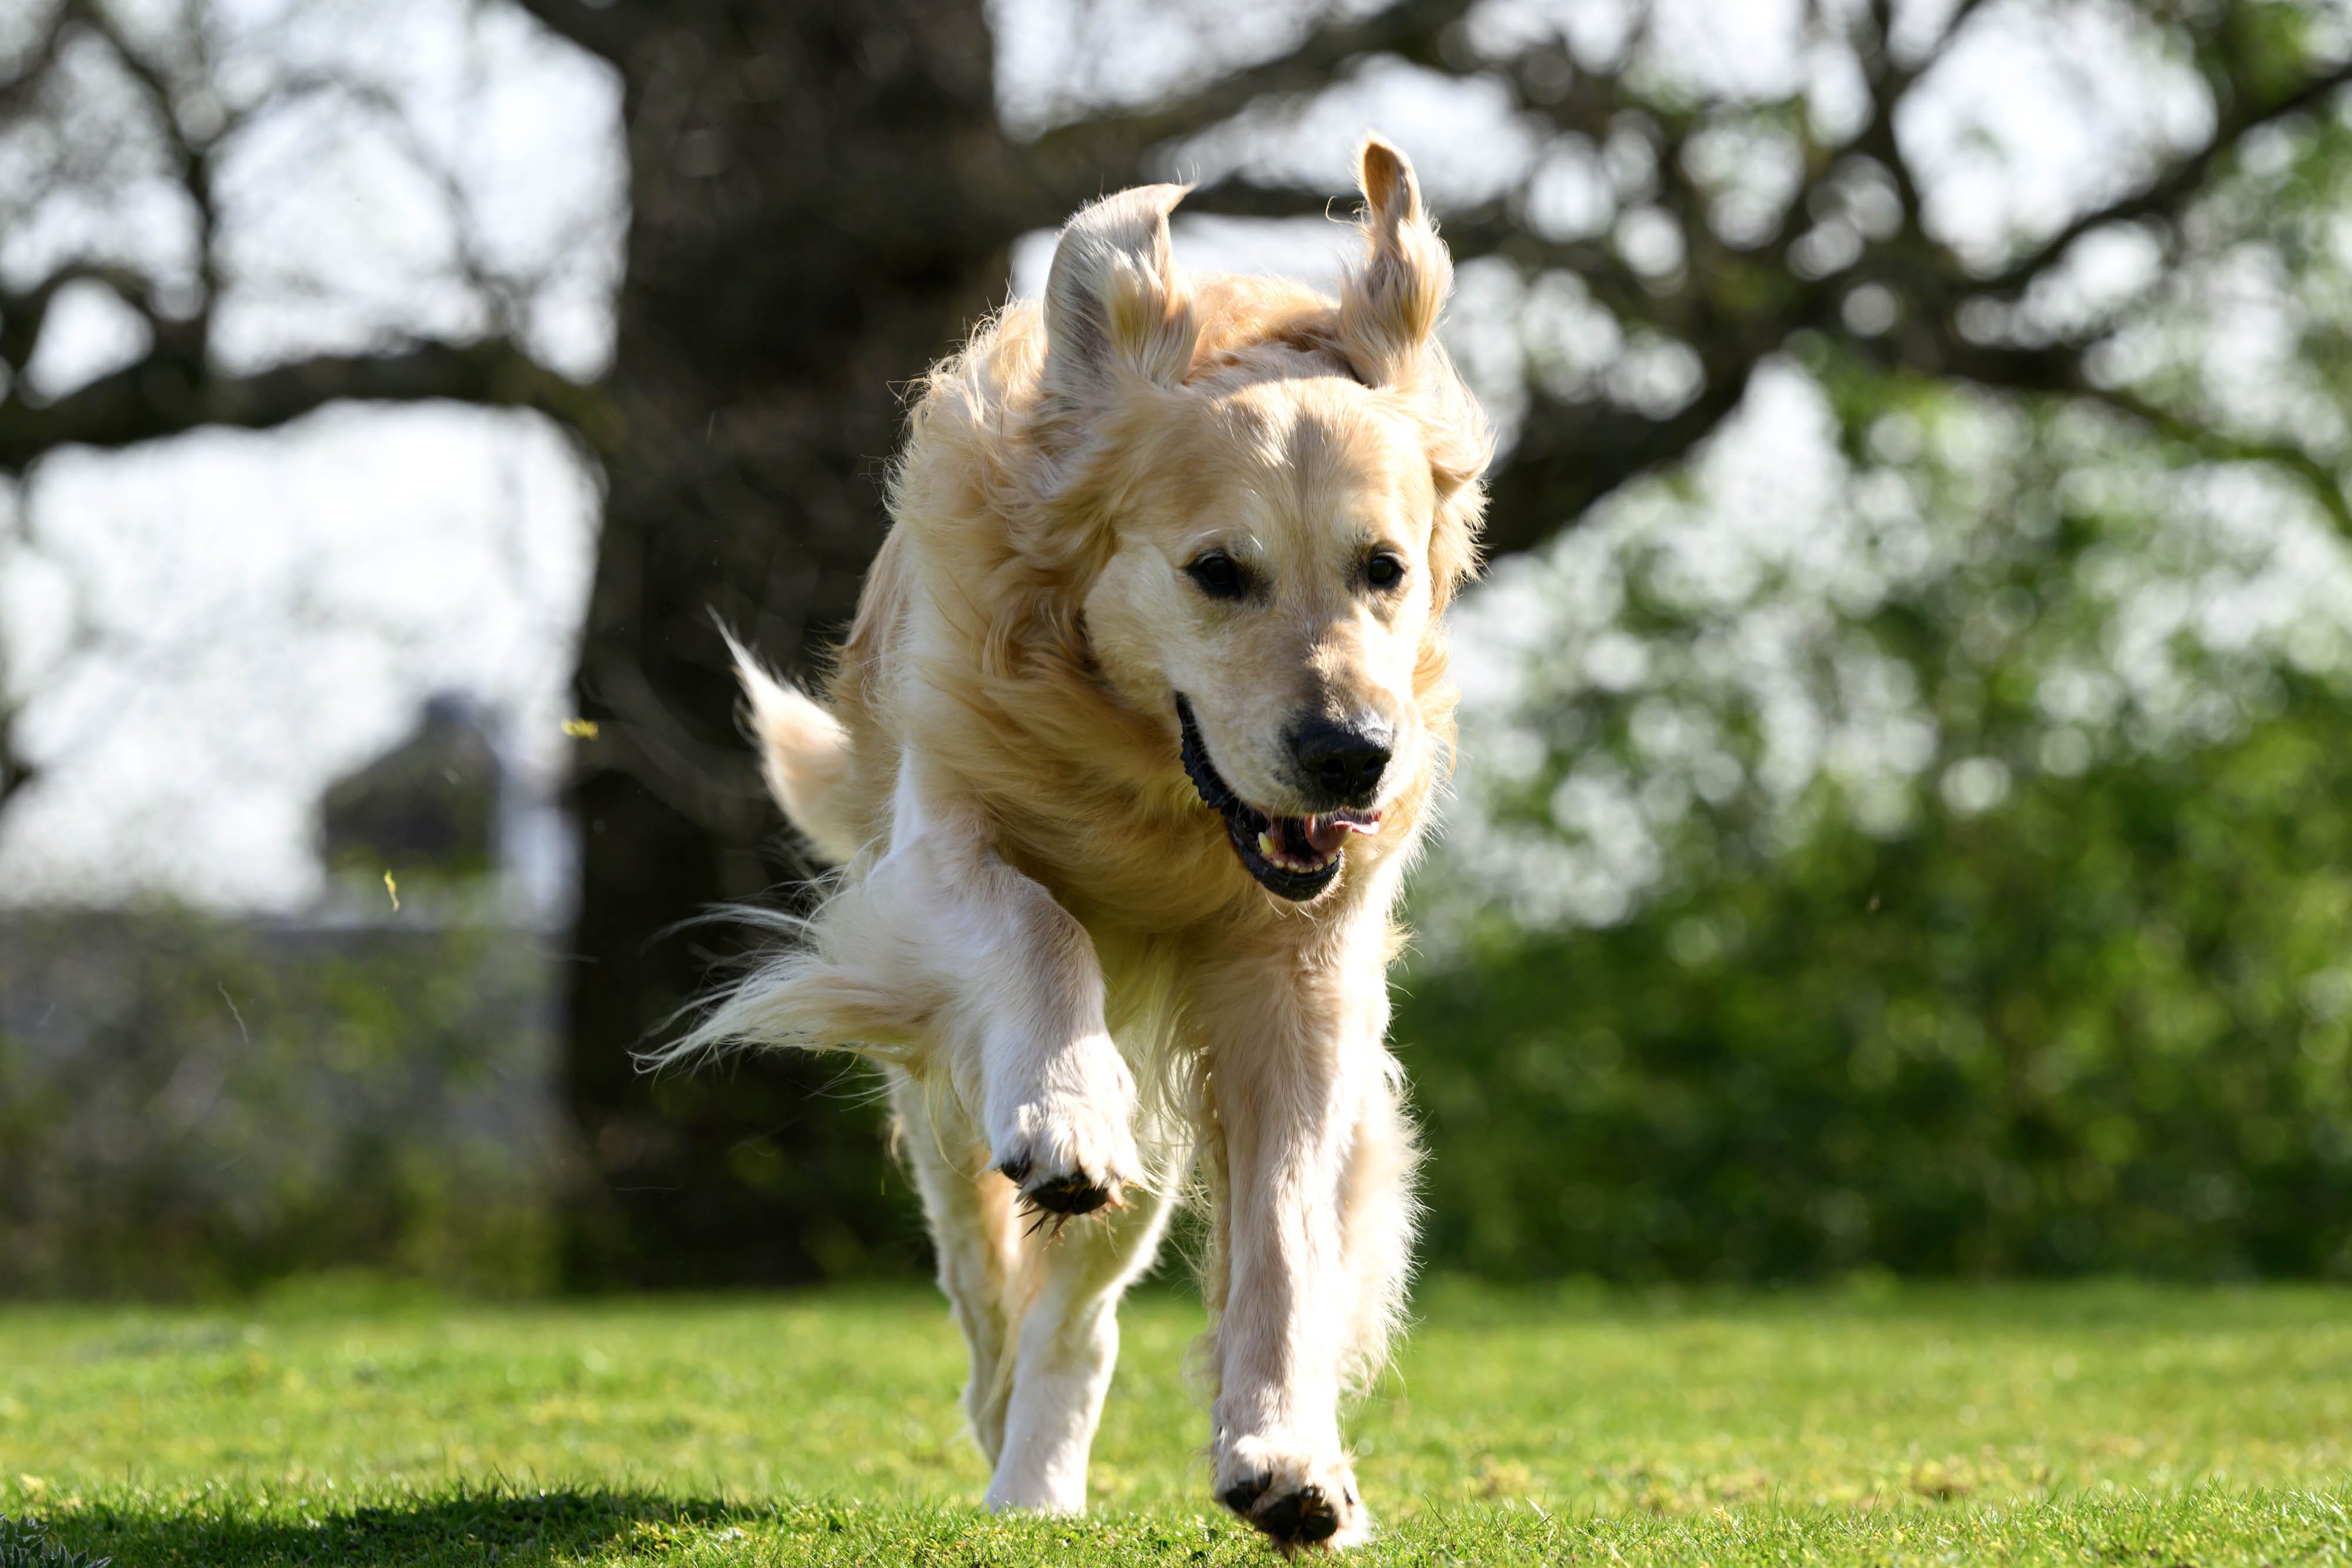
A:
1115, 304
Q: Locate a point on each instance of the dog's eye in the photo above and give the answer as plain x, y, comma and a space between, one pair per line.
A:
1385, 571
1219, 575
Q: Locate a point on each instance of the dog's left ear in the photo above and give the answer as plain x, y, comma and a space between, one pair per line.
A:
1388, 305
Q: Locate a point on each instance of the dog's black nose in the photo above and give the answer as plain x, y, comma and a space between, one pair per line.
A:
1341, 764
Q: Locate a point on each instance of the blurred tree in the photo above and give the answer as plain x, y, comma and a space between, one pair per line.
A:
822, 195
2099, 1030
1988, 913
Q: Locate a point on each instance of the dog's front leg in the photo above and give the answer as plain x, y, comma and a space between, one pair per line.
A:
1016, 1020
1312, 1164
1018, 1027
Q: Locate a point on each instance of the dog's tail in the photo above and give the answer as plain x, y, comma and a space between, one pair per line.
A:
803, 755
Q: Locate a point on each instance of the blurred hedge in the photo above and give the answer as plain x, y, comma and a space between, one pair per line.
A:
2102, 1028
188, 1107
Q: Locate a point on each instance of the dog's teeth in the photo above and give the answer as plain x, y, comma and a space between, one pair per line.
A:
1268, 847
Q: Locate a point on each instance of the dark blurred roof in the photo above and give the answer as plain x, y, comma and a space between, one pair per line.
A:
429, 803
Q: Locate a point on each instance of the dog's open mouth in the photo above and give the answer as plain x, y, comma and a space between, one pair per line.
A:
1295, 857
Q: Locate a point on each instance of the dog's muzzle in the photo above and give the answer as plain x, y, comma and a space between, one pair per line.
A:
1293, 857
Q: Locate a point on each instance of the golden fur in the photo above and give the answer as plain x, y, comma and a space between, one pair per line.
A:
1039, 926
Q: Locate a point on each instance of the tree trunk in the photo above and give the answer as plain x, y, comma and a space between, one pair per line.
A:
803, 244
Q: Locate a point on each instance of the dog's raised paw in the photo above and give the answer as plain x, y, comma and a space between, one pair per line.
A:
1072, 1154
1051, 1194
1071, 1195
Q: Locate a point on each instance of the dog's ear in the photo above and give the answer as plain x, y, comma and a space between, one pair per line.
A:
1389, 304
1115, 304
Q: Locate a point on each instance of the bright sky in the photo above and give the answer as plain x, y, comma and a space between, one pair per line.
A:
210, 629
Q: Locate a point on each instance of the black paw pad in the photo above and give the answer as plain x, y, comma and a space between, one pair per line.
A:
1244, 1492
1067, 1194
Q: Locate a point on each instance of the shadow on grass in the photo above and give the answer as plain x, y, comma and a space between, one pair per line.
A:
481, 1526
521, 1528
517, 1528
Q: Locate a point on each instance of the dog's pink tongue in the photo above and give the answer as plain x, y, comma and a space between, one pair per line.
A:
1328, 833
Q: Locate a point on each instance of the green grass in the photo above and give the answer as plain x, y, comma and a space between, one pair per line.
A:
2100, 1424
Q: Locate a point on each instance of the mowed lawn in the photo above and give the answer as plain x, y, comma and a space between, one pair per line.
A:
2100, 1423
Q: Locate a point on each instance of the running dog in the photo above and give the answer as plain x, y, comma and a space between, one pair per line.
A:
1122, 764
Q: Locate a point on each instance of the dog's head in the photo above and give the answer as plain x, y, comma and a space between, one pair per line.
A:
1288, 492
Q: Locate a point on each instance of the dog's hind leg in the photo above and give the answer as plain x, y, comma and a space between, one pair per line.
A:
1069, 1335
976, 1233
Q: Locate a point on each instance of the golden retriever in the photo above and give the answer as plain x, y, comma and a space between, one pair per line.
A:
1124, 759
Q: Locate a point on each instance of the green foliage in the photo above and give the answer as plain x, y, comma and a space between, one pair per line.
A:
28, 1545
1957, 869
189, 1107
2035, 1424
2103, 1027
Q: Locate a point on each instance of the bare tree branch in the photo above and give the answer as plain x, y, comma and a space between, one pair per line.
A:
598, 29
157, 397
14, 772
1739, 306
1571, 454
188, 338
2057, 370
2325, 485
23, 82
1073, 163
24, 311
2165, 195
